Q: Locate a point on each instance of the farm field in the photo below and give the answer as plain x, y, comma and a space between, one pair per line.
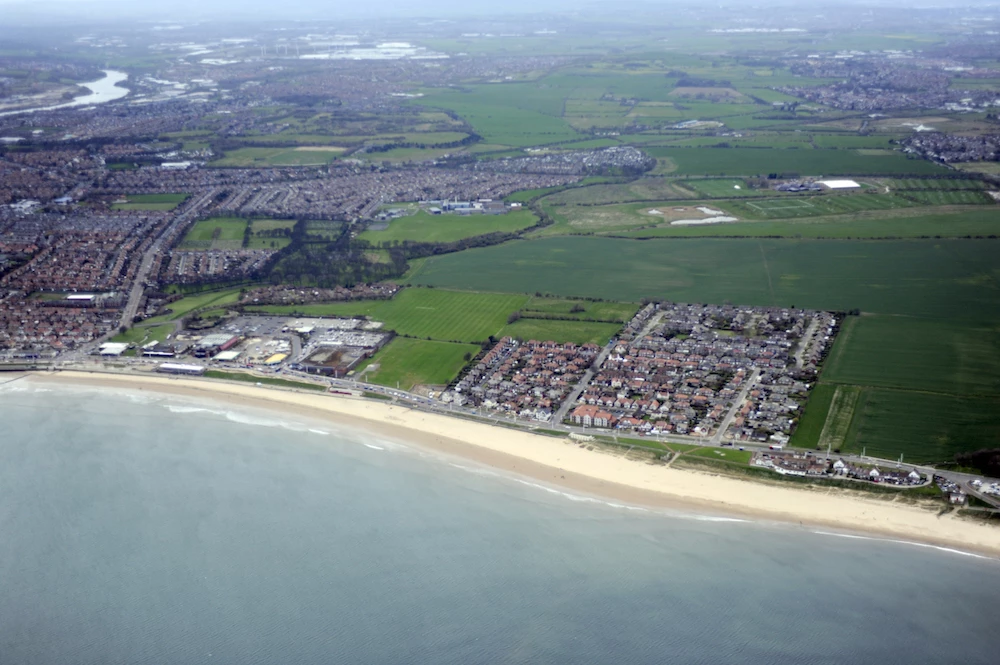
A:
925, 427
162, 202
814, 206
578, 332
215, 233
425, 227
813, 419
410, 362
753, 161
923, 278
917, 354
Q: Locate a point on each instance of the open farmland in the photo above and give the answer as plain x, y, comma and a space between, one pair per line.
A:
931, 279
215, 233
405, 363
424, 227
921, 354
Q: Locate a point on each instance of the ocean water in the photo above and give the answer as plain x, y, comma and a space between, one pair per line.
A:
137, 528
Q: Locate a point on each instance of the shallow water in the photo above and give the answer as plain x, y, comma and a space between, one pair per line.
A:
144, 529
101, 91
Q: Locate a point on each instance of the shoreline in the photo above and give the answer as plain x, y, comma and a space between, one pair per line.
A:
567, 465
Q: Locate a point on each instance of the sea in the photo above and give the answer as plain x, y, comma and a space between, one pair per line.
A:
142, 528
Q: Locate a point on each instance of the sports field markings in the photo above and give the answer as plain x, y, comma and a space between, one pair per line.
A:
761, 206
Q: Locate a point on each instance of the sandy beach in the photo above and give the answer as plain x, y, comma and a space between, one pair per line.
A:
565, 464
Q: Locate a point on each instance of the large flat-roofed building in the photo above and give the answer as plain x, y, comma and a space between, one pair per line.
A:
179, 368
113, 348
209, 345
840, 184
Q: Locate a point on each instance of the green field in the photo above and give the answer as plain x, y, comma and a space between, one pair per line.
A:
838, 421
754, 161
298, 156
151, 202
452, 316
425, 227
183, 306
405, 363
899, 223
621, 312
578, 332
268, 225
215, 233
140, 335
265, 380
926, 278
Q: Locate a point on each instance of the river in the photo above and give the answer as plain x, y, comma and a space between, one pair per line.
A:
101, 91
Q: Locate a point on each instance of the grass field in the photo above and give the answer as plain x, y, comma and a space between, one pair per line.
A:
933, 355
424, 227
839, 418
298, 156
925, 278
265, 225
215, 233
602, 311
579, 332
185, 305
143, 334
151, 202
405, 363
916, 222
815, 206
754, 161
436, 313
813, 419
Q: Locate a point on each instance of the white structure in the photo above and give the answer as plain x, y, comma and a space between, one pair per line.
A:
177, 368
113, 348
227, 356
82, 297
840, 184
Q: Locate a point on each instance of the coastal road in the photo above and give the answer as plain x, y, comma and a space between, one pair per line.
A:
149, 257
734, 409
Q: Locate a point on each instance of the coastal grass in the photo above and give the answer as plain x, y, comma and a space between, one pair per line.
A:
731, 455
140, 335
215, 233
405, 363
425, 227
578, 332
265, 380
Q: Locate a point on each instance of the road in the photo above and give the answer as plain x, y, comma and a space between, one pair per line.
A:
574, 394
735, 408
149, 257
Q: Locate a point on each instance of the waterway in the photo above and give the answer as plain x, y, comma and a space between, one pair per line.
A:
101, 91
